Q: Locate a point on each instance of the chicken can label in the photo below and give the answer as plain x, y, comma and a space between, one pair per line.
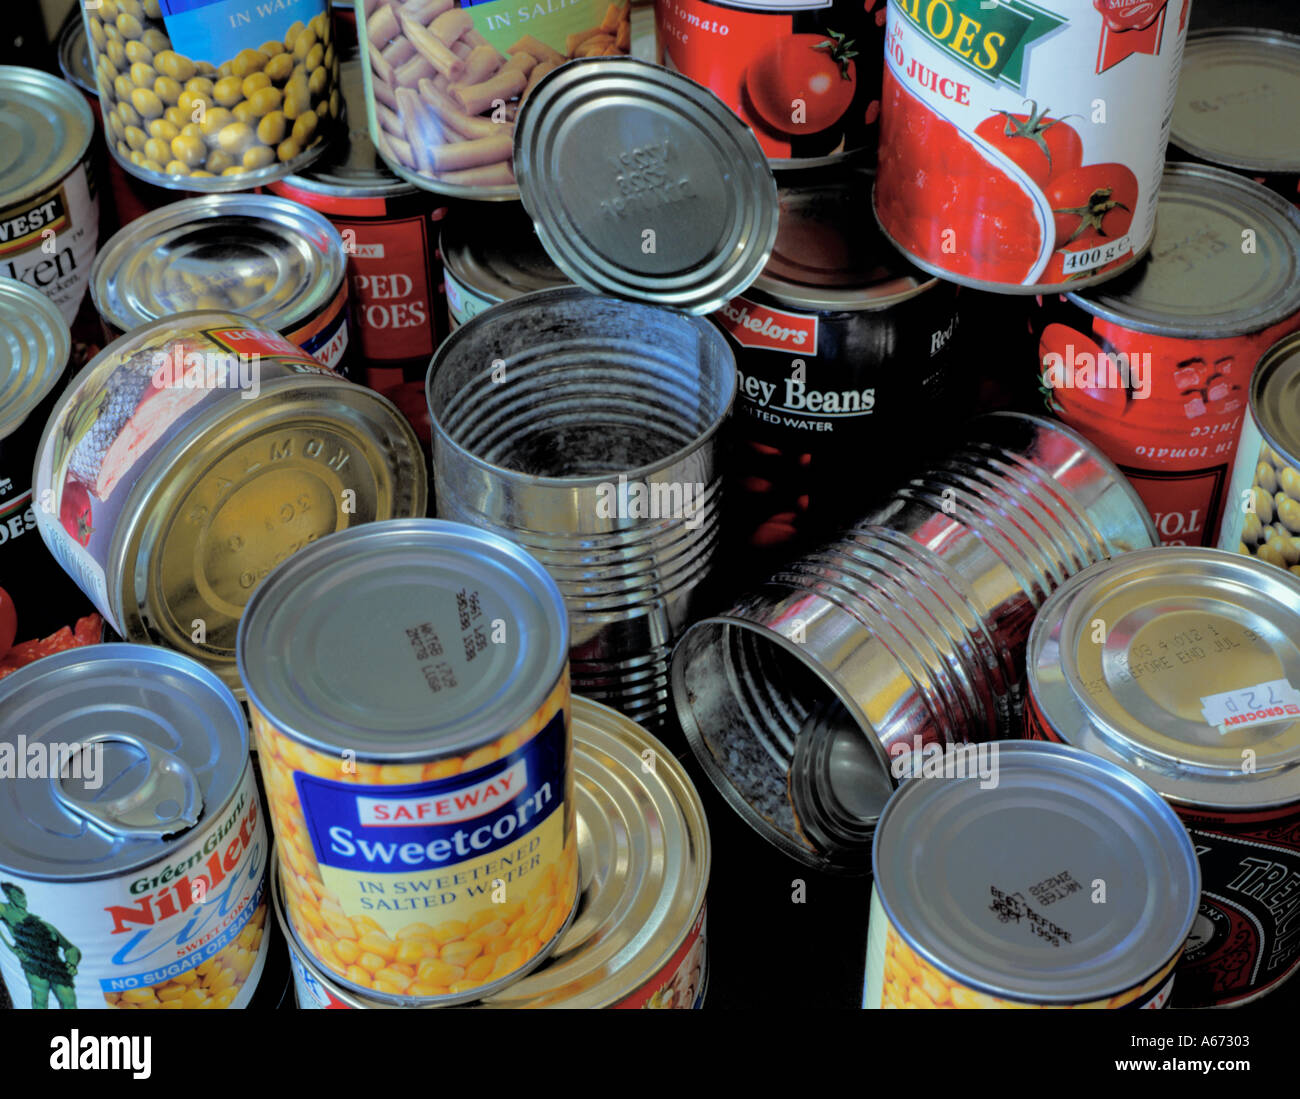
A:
1022, 145
189, 929
49, 241
805, 76
1262, 516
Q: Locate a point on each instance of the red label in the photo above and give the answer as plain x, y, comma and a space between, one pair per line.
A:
257, 341
754, 325
344, 205
388, 263
680, 982
1130, 26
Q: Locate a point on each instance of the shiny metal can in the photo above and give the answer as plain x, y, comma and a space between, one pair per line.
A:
196, 454
598, 452
638, 939
419, 766
133, 849
1183, 667
811, 696
1052, 880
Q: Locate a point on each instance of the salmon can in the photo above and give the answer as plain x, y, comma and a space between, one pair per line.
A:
639, 937
133, 849
1052, 880
49, 210
1155, 367
1021, 146
192, 456
1183, 667
263, 257
419, 767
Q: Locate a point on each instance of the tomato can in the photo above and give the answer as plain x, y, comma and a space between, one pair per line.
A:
214, 95
1183, 667
133, 849
49, 210
1236, 105
1022, 145
186, 487
419, 767
804, 76
1155, 367
638, 939
263, 257
1059, 881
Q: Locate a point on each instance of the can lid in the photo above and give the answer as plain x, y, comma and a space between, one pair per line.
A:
1197, 282
1236, 99
74, 54
1275, 396
403, 640
45, 129
174, 745
994, 884
34, 347
1191, 639
494, 251
267, 258
679, 207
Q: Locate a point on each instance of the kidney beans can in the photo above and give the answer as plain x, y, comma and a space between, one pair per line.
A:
133, 850
1021, 146
1155, 367
419, 767
195, 454
1183, 667
987, 887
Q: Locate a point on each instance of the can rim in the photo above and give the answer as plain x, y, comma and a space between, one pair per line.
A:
71, 33
1266, 369
214, 185
457, 244
43, 308
72, 155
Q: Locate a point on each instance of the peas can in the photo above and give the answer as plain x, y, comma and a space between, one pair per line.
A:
133, 849
214, 95
1192, 684
1058, 881
419, 767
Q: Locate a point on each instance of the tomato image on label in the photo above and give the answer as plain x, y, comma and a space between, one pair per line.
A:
8, 622
804, 83
1043, 147
75, 512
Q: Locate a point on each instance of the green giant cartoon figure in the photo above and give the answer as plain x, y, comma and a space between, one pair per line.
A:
36, 944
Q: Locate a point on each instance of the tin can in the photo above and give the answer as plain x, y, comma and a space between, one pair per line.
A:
344, 14
808, 699
840, 347
1000, 166
49, 212
1155, 367
638, 939
492, 257
133, 865
445, 81
157, 62
987, 886
266, 258
804, 76
600, 456
1192, 685
425, 810
1235, 101
188, 489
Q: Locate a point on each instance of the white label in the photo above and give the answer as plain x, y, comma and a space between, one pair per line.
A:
462, 303
458, 805
1248, 706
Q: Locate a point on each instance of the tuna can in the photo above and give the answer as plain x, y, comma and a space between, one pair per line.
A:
804, 76
214, 95
839, 345
132, 846
808, 699
1155, 367
419, 766
266, 258
187, 489
1236, 105
599, 454
1022, 146
47, 193
490, 258
1183, 667
638, 939
1060, 881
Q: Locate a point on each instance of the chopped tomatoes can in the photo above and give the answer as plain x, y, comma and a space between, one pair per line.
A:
1021, 145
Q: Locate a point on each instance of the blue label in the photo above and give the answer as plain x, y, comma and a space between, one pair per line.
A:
216, 30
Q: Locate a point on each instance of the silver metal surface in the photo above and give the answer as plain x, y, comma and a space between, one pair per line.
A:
45, 130
493, 252
34, 346
1275, 398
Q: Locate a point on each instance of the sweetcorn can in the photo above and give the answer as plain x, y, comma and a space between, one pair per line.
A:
419, 767
638, 939
1054, 879
195, 454
1021, 145
49, 209
133, 850
1183, 667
